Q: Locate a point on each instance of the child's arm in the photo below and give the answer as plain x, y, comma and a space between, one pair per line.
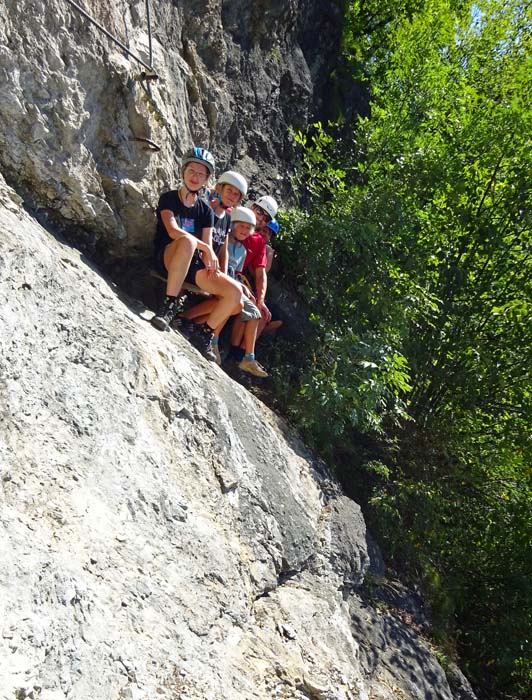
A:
270, 254
261, 285
223, 257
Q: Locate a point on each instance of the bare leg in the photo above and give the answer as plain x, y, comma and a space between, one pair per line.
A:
219, 328
204, 308
237, 332
177, 258
250, 335
273, 326
265, 318
229, 293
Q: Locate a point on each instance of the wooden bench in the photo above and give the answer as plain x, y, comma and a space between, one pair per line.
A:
186, 286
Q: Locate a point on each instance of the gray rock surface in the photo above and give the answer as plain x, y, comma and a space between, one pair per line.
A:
91, 145
394, 659
162, 533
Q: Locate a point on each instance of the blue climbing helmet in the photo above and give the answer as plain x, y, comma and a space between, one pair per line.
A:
198, 155
274, 227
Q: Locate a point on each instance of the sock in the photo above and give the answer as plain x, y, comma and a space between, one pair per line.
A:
249, 356
215, 340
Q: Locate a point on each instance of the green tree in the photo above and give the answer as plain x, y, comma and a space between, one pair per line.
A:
416, 261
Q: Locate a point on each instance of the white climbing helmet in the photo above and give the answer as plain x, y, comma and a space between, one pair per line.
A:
268, 204
244, 215
233, 178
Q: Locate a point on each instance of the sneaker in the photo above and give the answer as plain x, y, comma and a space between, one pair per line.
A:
272, 326
169, 309
202, 339
252, 367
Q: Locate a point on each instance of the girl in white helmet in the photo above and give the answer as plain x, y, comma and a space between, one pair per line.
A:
183, 250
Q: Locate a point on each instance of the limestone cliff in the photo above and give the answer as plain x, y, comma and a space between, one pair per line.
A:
163, 533
91, 143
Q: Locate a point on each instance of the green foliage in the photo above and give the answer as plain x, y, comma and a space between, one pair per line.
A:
467, 527
415, 256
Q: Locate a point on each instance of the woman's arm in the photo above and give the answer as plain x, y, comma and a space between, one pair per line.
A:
205, 247
172, 228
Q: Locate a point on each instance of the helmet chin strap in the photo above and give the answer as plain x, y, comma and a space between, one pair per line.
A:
218, 197
189, 190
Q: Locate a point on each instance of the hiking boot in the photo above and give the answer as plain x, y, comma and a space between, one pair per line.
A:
216, 351
252, 367
202, 341
184, 325
169, 309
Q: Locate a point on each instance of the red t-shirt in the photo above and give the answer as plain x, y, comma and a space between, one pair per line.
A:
256, 251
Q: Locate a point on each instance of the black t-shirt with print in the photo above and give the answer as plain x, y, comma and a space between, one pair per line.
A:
191, 219
221, 230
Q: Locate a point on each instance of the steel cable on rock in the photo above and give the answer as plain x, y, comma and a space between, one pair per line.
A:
116, 40
151, 75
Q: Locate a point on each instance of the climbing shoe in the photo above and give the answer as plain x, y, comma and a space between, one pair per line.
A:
252, 367
202, 340
170, 307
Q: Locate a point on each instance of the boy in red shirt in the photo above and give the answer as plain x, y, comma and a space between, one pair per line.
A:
265, 209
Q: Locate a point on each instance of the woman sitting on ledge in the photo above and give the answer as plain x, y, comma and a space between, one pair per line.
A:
183, 250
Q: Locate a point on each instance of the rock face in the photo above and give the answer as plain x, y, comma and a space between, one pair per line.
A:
163, 535
91, 143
